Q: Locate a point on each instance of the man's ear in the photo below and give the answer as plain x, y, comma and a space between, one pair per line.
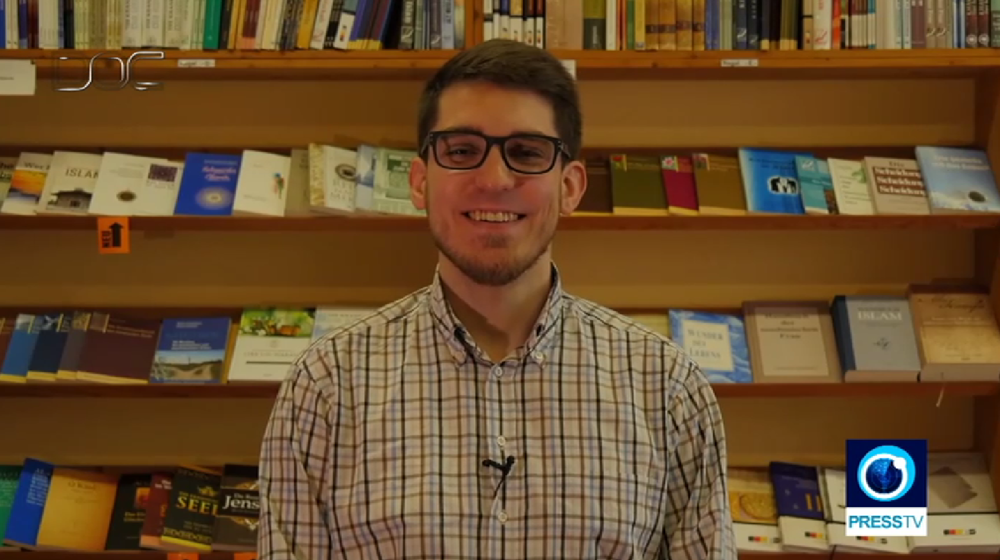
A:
418, 183
574, 184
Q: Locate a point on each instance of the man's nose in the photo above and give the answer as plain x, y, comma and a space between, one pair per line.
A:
494, 173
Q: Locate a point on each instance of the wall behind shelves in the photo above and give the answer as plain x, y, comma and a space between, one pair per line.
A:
627, 269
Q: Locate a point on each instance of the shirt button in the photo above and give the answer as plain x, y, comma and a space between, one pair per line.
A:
538, 357
502, 516
501, 441
497, 371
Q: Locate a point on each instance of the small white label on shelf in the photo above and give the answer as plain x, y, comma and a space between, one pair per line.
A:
196, 63
17, 77
739, 62
571, 66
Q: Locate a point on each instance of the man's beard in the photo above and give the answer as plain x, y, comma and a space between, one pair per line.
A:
498, 272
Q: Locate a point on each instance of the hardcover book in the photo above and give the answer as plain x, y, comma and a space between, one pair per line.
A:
957, 333
876, 340
791, 342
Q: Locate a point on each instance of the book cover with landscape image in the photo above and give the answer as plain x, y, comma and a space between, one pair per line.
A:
191, 350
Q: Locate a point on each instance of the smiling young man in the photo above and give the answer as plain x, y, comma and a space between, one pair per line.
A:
492, 414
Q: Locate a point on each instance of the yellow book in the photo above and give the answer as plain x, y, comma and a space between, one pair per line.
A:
78, 510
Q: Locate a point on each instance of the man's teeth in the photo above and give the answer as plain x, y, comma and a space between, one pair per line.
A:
493, 216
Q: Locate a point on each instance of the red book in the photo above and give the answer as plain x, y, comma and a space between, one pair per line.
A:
678, 180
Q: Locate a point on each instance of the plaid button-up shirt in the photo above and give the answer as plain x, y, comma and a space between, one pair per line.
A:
376, 443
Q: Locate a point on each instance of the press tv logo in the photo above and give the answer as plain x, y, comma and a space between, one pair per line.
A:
886, 488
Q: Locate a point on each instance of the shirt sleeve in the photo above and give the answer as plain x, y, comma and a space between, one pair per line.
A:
699, 521
294, 468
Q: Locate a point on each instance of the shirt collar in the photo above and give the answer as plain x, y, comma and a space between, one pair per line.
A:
460, 343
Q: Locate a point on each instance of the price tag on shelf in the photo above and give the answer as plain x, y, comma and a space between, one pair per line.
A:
739, 62
113, 235
196, 63
571, 66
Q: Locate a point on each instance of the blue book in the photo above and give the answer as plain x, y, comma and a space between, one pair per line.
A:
191, 350
3, 27
770, 181
796, 490
208, 185
716, 342
958, 180
53, 330
816, 184
29, 503
21, 347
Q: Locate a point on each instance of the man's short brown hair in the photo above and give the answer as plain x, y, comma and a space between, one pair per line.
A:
512, 64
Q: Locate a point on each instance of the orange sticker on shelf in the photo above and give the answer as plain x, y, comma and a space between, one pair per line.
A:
113, 235
182, 556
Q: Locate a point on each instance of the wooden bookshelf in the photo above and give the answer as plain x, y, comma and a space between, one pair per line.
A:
854, 102
590, 64
317, 223
756, 556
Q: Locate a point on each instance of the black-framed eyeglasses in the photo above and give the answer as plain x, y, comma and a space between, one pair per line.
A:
530, 154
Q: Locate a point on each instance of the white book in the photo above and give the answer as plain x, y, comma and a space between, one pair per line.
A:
332, 174
121, 183
173, 14
153, 20
850, 187
318, 38
822, 22
132, 24
262, 186
391, 193
69, 186
7, 166
268, 342
364, 181
27, 183
329, 319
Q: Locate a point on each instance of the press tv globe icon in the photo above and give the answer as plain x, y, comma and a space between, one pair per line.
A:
886, 473
886, 488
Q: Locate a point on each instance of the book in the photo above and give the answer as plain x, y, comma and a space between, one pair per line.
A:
129, 514
715, 341
191, 350
958, 180
237, 520
194, 502
770, 181
208, 185
77, 511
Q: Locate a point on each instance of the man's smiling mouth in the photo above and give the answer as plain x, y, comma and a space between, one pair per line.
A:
493, 217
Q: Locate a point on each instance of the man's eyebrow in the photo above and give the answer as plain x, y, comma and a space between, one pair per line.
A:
475, 129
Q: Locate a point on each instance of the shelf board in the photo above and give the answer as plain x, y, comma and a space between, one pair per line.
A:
582, 222
69, 389
590, 64
846, 390
269, 390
